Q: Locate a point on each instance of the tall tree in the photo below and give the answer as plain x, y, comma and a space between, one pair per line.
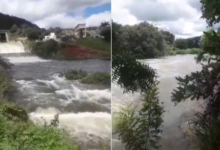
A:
105, 31
169, 37
137, 131
143, 40
181, 43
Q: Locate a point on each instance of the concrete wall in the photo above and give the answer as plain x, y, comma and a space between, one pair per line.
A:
7, 37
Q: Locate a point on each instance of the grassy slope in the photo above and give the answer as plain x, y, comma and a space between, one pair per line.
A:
96, 44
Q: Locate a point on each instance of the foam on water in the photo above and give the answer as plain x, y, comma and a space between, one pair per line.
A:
11, 47
60, 86
172, 66
85, 127
26, 59
88, 127
14, 47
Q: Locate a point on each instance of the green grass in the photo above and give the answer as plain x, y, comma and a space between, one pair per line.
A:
17, 132
174, 51
97, 78
94, 43
75, 75
188, 51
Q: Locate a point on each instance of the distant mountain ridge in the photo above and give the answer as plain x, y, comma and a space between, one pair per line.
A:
7, 21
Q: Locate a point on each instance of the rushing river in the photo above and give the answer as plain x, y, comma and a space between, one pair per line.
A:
84, 110
175, 117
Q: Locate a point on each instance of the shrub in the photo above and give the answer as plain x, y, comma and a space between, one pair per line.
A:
24, 135
98, 78
32, 33
5, 63
6, 87
75, 75
68, 38
106, 33
12, 112
46, 49
140, 129
206, 132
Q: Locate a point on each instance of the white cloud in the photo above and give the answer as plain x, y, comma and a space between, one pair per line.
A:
46, 13
66, 21
181, 17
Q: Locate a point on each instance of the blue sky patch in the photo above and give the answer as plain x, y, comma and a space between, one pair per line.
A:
96, 10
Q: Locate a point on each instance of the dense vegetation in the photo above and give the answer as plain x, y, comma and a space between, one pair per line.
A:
131, 125
144, 41
8, 21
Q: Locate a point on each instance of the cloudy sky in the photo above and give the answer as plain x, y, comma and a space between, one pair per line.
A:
181, 17
62, 13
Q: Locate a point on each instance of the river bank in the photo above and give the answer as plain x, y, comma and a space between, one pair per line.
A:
86, 48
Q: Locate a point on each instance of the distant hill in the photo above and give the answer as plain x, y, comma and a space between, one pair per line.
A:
7, 21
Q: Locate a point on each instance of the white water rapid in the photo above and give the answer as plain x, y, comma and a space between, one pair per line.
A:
12, 48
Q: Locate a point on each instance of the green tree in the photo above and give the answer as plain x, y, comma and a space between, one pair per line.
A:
143, 40
116, 41
136, 130
32, 33
14, 28
104, 24
169, 37
46, 49
204, 84
181, 43
106, 33
140, 129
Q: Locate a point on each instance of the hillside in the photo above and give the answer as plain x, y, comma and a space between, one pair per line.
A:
8, 21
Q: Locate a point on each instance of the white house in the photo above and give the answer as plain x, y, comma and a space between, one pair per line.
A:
50, 36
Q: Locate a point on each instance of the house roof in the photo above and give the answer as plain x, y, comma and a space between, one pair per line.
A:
83, 25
